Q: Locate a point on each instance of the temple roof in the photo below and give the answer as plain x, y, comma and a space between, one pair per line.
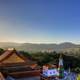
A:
11, 56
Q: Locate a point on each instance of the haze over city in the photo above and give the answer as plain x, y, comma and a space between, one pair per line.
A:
40, 21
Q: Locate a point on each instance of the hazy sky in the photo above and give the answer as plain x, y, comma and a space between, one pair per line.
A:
40, 21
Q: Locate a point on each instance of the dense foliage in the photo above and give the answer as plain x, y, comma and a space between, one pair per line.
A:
1, 51
70, 61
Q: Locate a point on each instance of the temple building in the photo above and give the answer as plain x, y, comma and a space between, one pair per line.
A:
12, 61
11, 56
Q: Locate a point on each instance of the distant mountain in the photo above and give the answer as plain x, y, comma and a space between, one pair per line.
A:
6, 45
39, 47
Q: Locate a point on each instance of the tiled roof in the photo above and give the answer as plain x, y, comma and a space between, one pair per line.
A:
9, 53
13, 57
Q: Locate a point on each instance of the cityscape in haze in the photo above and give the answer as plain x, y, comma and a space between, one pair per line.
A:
39, 40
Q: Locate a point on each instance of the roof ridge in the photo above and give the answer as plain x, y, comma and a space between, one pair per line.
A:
5, 54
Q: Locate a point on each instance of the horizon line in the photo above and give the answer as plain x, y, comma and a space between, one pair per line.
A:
39, 42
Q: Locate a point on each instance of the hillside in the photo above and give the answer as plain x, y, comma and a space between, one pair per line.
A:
40, 47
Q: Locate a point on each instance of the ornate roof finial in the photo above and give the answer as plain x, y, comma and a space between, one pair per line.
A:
11, 49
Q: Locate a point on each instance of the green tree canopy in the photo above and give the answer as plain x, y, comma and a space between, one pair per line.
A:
1, 51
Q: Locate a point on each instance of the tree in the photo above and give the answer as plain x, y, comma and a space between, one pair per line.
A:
1, 51
26, 54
